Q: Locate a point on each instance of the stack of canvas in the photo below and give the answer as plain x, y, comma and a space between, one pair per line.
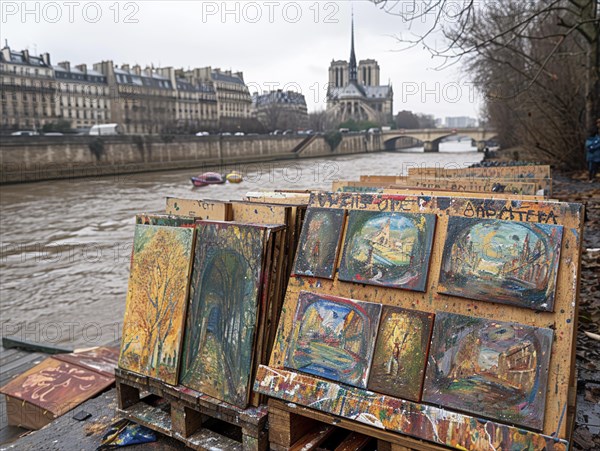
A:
198, 301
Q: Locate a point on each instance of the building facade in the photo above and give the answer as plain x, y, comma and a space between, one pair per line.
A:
83, 95
28, 91
281, 110
355, 92
141, 100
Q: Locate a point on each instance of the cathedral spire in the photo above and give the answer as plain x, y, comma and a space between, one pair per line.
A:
353, 72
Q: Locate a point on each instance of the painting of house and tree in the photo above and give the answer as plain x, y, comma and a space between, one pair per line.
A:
508, 262
401, 352
490, 368
222, 313
156, 301
389, 249
333, 338
319, 242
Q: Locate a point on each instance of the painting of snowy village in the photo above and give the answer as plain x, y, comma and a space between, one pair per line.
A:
400, 353
319, 242
388, 249
489, 368
156, 301
513, 263
333, 338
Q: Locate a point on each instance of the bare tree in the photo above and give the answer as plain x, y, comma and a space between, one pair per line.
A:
536, 62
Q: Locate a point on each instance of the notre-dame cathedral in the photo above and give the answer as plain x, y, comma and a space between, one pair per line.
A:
355, 93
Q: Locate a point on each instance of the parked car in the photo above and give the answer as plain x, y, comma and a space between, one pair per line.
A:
105, 129
288, 132
25, 133
239, 134
225, 134
53, 134
202, 134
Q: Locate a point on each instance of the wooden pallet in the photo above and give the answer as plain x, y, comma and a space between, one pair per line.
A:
292, 427
195, 419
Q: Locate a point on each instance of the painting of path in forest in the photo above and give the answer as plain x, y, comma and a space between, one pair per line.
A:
222, 313
156, 301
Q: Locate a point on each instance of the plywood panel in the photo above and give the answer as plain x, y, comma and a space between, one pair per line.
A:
562, 320
210, 210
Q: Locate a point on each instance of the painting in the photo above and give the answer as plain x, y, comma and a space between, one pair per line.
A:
388, 249
401, 352
508, 262
222, 313
156, 301
56, 386
490, 368
319, 243
333, 338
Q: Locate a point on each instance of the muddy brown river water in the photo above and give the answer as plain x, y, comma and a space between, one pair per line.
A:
65, 245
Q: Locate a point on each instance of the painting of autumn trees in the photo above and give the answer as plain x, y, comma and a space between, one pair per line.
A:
222, 313
156, 301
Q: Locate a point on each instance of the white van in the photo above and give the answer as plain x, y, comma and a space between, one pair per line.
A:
105, 129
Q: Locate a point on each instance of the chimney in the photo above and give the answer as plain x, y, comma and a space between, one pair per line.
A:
46, 59
137, 70
26, 55
240, 75
65, 65
82, 68
125, 67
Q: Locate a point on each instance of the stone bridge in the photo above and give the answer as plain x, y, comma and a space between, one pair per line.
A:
431, 137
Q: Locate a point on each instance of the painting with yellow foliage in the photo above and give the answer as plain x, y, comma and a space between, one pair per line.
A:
389, 249
156, 301
333, 338
401, 352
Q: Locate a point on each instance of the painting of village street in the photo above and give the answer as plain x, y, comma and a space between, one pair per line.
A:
319, 242
400, 353
389, 249
156, 301
513, 263
489, 368
333, 338
222, 312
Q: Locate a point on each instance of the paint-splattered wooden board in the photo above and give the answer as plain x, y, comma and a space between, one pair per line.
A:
374, 187
276, 382
469, 184
519, 172
210, 210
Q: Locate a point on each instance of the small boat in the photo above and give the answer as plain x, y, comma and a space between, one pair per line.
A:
234, 177
208, 178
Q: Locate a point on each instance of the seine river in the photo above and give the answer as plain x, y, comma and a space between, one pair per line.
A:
65, 245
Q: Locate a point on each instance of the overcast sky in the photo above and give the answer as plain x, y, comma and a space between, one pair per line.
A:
276, 44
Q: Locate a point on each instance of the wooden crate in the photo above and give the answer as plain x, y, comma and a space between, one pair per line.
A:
195, 419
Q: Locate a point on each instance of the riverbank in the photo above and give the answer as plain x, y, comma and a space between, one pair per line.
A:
574, 187
35, 159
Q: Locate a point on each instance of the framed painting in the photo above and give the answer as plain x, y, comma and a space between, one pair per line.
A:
156, 301
490, 368
513, 263
223, 309
319, 243
333, 338
389, 249
401, 353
